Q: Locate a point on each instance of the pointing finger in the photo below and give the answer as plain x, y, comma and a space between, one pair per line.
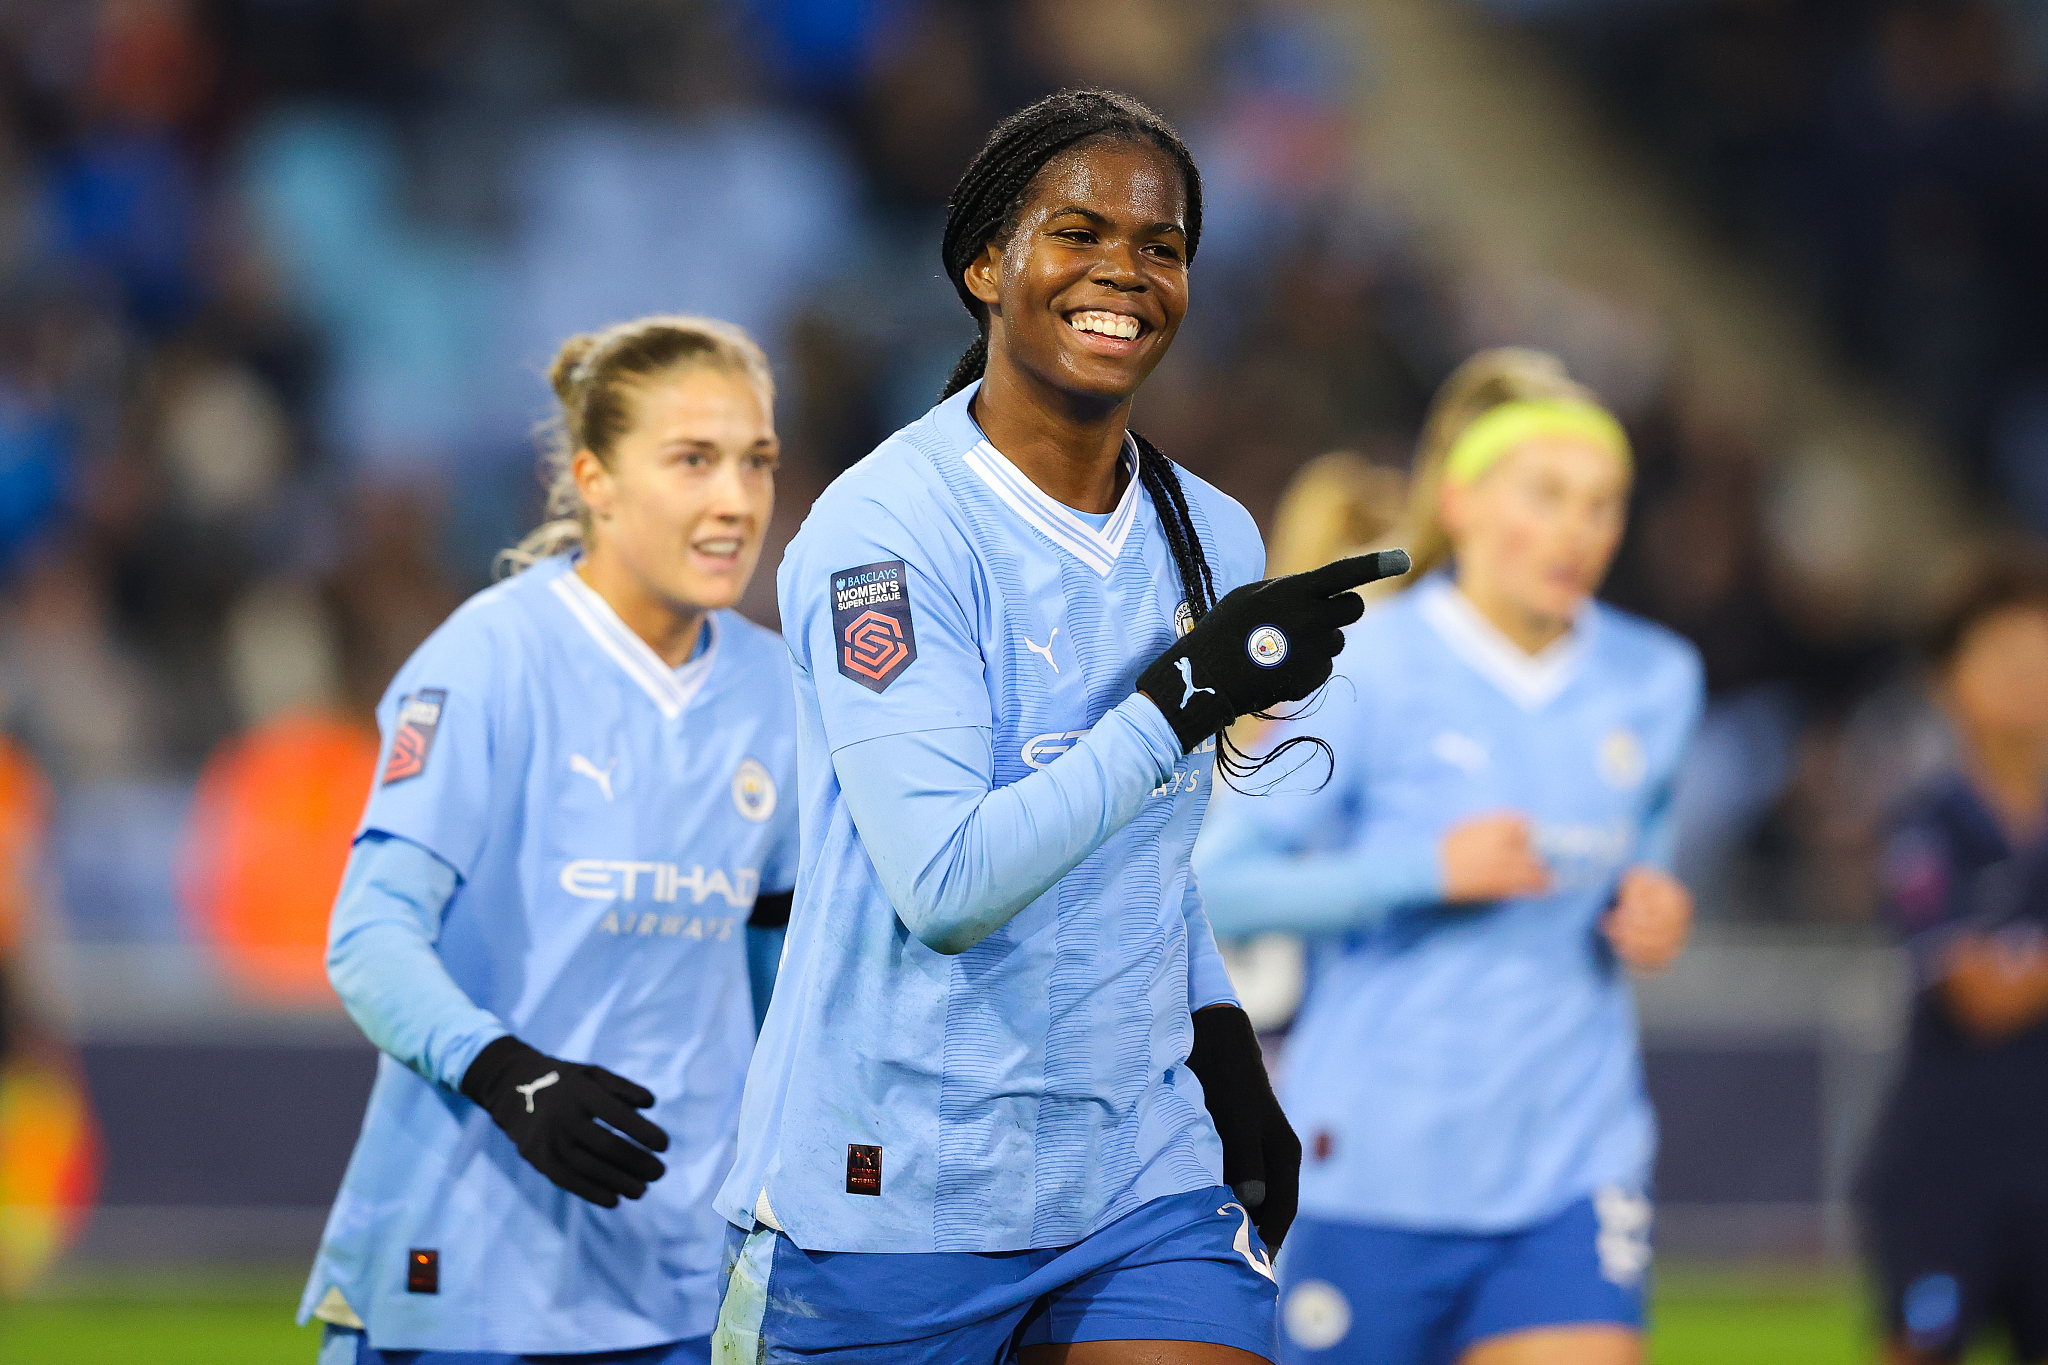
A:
1356, 572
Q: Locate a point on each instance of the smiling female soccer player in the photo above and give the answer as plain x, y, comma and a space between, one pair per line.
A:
584, 790
1464, 1071
974, 1121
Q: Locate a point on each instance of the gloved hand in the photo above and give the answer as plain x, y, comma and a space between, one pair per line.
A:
1261, 1154
1263, 644
551, 1111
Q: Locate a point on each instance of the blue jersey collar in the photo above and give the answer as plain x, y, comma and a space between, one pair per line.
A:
1097, 547
1531, 681
670, 689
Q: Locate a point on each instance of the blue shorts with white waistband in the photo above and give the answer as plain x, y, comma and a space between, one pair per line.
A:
1188, 1267
1361, 1294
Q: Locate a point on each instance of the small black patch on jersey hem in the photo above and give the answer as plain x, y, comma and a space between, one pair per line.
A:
863, 1169
422, 1271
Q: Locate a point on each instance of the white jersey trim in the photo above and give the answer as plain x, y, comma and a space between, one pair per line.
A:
670, 689
1053, 519
1531, 681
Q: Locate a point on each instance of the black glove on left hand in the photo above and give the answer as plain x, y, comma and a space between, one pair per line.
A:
566, 1118
1261, 1154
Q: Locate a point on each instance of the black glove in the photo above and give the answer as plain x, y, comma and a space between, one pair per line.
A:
1261, 1154
1263, 644
552, 1109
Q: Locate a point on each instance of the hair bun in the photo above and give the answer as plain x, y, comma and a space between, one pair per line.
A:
567, 373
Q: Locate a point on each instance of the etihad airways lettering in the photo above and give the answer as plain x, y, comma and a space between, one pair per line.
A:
600, 879
647, 924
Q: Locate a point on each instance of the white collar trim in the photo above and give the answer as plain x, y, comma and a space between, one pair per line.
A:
1053, 519
670, 689
1531, 681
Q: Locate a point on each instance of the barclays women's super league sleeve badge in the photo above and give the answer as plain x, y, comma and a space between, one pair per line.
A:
871, 623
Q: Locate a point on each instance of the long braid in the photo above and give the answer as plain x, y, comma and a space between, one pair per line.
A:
1162, 481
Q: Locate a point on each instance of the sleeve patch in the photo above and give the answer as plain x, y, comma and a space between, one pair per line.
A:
419, 716
871, 623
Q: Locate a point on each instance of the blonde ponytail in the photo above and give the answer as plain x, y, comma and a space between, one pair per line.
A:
593, 375
1505, 374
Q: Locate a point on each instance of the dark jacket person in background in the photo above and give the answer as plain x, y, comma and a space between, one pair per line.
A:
1955, 1193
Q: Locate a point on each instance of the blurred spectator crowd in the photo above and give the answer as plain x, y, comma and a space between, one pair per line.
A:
278, 280
1887, 164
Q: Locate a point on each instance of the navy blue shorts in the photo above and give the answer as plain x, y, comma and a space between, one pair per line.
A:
1356, 1294
344, 1346
1189, 1267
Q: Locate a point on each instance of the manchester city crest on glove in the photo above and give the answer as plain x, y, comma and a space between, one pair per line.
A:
1268, 647
871, 623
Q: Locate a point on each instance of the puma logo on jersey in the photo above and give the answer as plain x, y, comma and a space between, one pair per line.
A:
1044, 651
534, 1087
601, 776
1187, 676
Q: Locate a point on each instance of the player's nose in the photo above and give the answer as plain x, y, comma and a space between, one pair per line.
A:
1117, 268
728, 495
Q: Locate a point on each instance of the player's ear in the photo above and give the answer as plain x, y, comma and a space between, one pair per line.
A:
984, 272
593, 482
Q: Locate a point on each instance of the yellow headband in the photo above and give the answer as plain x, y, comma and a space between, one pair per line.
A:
1498, 430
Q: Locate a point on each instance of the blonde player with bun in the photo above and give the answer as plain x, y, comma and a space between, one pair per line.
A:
583, 801
1488, 862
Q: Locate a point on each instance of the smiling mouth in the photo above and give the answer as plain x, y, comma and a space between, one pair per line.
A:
1119, 326
723, 547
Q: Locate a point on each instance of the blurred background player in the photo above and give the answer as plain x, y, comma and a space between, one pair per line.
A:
1489, 853
542, 924
1955, 1193
977, 1120
1337, 504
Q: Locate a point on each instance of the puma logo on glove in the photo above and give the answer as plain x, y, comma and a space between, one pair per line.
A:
534, 1087
1264, 644
578, 1125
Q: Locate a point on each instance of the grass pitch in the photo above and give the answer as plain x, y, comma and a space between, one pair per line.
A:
1746, 1316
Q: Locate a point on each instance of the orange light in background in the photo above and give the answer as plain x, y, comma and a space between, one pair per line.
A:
24, 814
49, 1146
49, 1165
263, 856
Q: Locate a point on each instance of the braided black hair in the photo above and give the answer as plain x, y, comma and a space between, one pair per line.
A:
985, 207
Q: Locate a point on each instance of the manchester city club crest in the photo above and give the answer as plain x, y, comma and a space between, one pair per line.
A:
753, 791
1267, 646
1621, 758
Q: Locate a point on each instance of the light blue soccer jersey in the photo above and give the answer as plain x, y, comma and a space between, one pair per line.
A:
1470, 1068
612, 820
1029, 1090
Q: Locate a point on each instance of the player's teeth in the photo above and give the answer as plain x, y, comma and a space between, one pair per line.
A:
1109, 324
